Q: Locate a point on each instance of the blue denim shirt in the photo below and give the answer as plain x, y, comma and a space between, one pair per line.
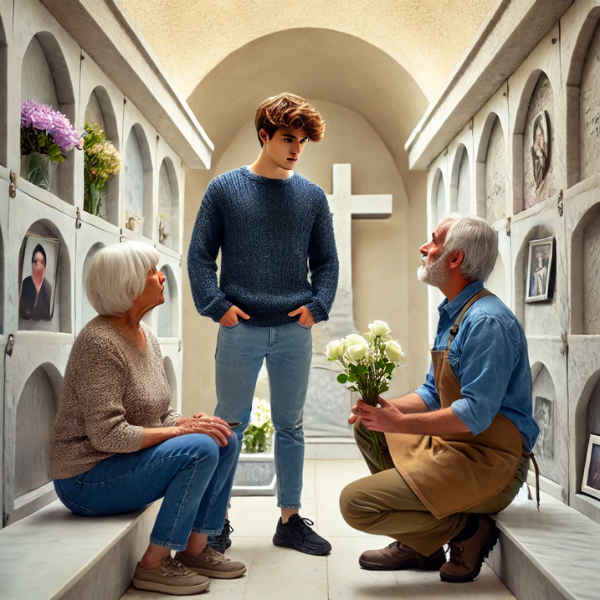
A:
489, 358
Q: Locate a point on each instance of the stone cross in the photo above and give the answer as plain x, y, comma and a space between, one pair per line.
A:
328, 402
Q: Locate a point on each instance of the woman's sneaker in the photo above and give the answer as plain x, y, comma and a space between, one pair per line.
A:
221, 541
212, 564
297, 534
171, 577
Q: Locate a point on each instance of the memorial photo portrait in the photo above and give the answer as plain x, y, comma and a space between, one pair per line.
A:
540, 148
591, 473
542, 413
38, 279
539, 270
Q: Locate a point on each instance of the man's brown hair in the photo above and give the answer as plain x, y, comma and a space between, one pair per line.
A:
288, 111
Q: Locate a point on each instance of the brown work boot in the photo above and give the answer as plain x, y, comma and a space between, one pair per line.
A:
466, 557
398, 556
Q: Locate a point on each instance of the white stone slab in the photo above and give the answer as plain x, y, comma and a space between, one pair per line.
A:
55, 554
560, 543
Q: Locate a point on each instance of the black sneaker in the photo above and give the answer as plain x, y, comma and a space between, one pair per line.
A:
297, 534
221, 541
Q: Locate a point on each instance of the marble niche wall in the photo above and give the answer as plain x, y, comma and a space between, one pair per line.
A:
49, 66
537, 175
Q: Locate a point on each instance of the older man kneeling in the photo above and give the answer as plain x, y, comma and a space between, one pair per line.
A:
117, 444
458, 448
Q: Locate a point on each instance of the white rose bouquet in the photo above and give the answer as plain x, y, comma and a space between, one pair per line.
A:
367, 364
257, 437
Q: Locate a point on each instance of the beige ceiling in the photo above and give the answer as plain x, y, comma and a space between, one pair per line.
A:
191, 37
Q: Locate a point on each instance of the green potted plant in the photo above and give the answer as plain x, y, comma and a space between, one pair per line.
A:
255, 475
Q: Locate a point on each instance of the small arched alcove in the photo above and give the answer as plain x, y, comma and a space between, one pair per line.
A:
45, 78
496, 282
100, 110
461, 199
537, 318
138, 182
585, 265
438, 198
44, 280
36, 411
168, 313
587, 422
545, 412
3, 94
87, 310
534, 149
172, 379
491, 175
168, 205
583, 102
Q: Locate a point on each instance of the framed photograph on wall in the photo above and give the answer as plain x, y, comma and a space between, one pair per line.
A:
540, 270
38, 278
591, 474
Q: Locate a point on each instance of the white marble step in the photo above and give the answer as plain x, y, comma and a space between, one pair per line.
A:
547, 555
330, 448
55, 554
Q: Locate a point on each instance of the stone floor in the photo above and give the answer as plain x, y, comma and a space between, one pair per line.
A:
281, 574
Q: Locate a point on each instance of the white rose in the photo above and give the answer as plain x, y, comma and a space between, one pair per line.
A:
353, 339
394, 352
357, 351
335, 349
379, 328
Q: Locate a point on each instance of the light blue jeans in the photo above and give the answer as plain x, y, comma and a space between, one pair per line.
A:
241, 350
190, 472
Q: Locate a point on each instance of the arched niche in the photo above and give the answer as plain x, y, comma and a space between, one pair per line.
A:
496, 282
35, 414
460, 182
57, 314
168, 205
100, 110
537, 318
534, 147
585, 266
587, 422
45, 78
545, 412
438, 198
138, 182
582, 102
87, 310
172, 379
3, 94
492, 194
168, 313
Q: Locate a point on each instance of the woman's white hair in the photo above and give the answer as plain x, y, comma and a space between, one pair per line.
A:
477, 240
118, 275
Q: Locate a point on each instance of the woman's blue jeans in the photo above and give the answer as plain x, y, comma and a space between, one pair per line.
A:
241, 350
190, 472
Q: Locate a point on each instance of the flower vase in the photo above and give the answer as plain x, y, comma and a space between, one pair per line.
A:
38, 170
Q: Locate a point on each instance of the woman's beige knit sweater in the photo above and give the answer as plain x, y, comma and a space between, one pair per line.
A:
112, 390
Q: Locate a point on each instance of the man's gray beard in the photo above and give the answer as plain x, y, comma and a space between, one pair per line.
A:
436, 274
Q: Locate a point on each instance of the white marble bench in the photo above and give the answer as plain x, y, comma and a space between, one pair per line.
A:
547, 555
56, 554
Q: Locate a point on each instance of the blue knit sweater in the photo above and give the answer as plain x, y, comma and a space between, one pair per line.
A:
267, 230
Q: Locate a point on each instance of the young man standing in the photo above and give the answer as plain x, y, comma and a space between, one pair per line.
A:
274, 230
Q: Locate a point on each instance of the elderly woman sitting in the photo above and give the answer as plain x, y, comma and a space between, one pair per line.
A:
117, 445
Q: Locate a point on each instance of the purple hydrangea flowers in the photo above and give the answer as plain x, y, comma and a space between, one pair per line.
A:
38, 118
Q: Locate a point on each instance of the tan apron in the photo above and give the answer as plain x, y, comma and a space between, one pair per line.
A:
452, 473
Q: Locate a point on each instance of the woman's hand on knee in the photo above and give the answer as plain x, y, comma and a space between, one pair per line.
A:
215, 428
